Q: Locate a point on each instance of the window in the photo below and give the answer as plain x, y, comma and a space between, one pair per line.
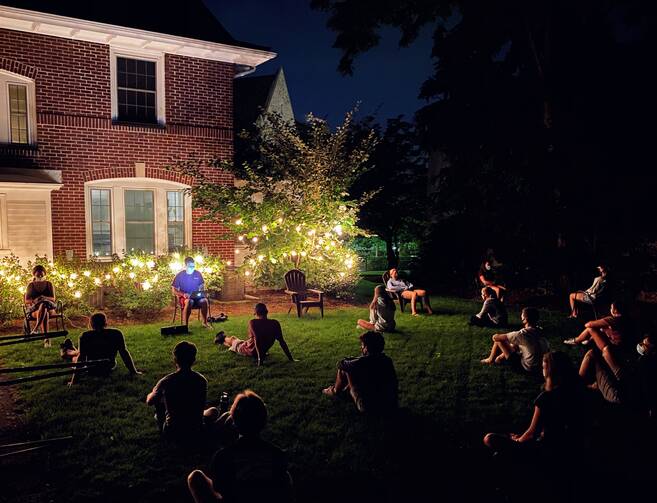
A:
129, 214
137, 86
101, 224
136, 90
17, 110
139, 221
175, 220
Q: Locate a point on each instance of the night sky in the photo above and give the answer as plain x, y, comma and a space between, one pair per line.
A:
386, 79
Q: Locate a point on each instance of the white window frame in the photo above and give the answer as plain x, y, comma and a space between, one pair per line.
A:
144, 55
4, 238
7, 78
117, 188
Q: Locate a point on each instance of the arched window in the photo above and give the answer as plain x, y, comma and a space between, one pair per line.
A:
131, 214
17, 109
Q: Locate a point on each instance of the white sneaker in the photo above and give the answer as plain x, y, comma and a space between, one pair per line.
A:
570, 342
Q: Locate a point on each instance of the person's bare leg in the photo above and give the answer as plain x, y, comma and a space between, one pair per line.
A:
586, 334
571, 298
599, 338
493, 353
425, 299
365, 324
188, 310
204, 311
46, 320
341, 384
200, 487
39, 318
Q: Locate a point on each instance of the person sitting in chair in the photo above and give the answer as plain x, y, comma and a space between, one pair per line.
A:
487, 277
382, 312
251, 470
526, 345
179, 398
187, 287
263, 332
370, 379
406, 290
493, 313
102, 343
589, 296
40, 299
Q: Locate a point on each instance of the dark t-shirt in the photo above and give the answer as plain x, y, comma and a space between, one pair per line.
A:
565, 415
374, 380
38, 289
187, 283
252, 470
97, 345
266, 331
183, 393
488, 274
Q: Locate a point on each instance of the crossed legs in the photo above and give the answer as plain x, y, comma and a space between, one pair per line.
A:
42, 319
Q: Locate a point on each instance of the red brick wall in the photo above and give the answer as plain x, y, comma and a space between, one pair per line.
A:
75, 133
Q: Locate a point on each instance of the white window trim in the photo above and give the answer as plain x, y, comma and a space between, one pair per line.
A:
145, 55
117, 187
4, 238
7, 78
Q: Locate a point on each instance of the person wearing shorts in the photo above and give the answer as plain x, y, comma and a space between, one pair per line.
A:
263, 333
184, 284
590, 295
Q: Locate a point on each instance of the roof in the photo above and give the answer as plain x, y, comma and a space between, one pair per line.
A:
26, 175
251, 95
182, 18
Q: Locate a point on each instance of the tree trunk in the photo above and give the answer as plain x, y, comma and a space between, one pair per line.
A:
393, 258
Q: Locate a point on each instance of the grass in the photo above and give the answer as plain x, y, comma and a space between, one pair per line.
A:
449, 400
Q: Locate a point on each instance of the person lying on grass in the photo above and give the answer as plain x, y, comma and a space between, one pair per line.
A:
370, 379
250, 470
562, 412
263, 332
493, 313
101, 343
525, 346
382, 312
408, 291
614, 329
179, 398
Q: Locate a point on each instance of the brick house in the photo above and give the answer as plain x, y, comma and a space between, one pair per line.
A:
93, 107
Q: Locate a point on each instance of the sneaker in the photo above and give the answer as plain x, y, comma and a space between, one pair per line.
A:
585, 342
570, 342
220, 338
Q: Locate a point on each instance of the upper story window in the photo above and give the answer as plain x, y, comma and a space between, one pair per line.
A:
17, 109
137, 87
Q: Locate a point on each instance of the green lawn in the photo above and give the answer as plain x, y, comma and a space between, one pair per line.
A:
449, 398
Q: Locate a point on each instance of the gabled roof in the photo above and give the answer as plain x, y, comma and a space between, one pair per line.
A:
182, 18
251, 96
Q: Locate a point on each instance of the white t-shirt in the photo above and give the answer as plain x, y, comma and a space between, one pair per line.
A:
531, 346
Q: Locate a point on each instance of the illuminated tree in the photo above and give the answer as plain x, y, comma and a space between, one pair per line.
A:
291, 204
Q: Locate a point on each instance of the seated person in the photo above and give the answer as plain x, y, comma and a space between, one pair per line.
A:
370, 379
589, 296
101, 343
527, 344
562, 412
382, 312
623, 380
614, 329
488, 277
179, 398
40, 299
184, 284
493, 313
251, 470
263, 332
406, 290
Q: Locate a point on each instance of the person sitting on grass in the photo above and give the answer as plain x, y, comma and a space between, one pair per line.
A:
263, 332
562, 412
614, 329
370, 379
40, 299
186, 283
251, 470
382, 312
526, 345
179, 398
493, 313
102, 343
488, 278
593, 293
406, 290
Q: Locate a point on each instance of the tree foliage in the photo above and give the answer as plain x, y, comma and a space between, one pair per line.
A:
291, 204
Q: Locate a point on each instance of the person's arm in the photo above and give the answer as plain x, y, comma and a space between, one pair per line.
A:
127, 357
534, 428
256, 343
51, 291
82, 356
373, 303
155, 395
283, 344
348, 364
